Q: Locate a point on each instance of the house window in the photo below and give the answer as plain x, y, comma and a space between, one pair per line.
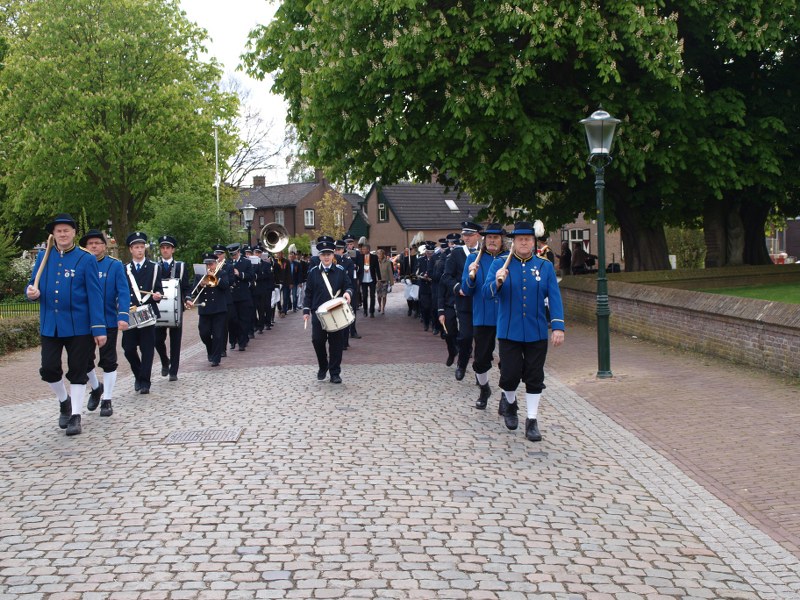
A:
580, 235
383, 214
308, 217
451, 205
261, 220
279, 217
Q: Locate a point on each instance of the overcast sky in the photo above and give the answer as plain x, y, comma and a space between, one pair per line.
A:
228, 23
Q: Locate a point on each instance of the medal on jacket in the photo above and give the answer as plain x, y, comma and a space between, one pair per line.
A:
535, 273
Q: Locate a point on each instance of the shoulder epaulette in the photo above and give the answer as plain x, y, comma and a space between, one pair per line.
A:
340, 267
82, 248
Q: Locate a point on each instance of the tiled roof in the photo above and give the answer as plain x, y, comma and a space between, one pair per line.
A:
285, 195
423, 206
354, 199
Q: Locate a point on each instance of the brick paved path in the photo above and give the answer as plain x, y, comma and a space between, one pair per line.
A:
392, 486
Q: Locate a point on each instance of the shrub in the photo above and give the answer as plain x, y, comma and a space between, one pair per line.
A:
688, 246
18, 333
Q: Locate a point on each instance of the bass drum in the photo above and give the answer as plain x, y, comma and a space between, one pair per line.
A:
170, 304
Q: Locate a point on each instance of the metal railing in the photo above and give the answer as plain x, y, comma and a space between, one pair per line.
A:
18, 309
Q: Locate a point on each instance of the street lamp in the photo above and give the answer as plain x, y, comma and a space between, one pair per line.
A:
248, 212
600, 135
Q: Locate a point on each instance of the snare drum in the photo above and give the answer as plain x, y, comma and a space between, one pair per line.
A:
170, 306
335, 315
141, 316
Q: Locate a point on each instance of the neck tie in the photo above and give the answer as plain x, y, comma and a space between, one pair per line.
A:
138, 266
166, 268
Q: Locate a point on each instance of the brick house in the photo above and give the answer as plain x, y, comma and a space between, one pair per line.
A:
585, 232
291, 205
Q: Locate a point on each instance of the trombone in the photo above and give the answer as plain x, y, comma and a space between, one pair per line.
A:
210, 279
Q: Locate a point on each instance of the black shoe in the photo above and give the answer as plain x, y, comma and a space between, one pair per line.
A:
532, 430
355, 336
502, 408
451, 358
164, 371
215, 363
408, 314
74, 425
269, 327
105, 408
346, 347
426, 329
173, 378
321, 374
372, 316
144, 390
224, 354
512, 422
94, 397
260, 331
65, 412
233, 346
242, 349
486, 391
460, 373
336, 379
252, 336
137, 386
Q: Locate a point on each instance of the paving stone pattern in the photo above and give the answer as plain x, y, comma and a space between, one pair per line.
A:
388, 486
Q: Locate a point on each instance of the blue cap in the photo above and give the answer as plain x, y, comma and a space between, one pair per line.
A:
135, 238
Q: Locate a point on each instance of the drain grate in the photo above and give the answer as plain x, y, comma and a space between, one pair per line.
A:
210, 434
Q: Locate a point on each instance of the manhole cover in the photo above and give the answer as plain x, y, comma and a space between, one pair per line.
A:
210, 434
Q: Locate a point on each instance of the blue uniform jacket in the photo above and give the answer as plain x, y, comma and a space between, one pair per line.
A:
71, 302
521, 315
484, 310
116, 293
317, 292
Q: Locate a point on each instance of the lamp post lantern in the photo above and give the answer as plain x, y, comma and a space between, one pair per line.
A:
599, 136
248, 212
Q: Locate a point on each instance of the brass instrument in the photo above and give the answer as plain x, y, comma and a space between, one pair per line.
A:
210, 279
274, 237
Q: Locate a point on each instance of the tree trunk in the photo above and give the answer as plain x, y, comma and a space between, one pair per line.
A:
644, 245
754, 217
715, 232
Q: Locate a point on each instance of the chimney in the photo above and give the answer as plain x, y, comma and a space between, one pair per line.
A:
259, 181
319, 176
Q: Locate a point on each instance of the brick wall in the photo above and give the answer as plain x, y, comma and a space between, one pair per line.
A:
753, 332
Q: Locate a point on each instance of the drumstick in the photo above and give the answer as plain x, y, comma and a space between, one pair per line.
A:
50, 240
505, 265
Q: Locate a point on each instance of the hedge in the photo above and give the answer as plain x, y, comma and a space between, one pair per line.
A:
19, 333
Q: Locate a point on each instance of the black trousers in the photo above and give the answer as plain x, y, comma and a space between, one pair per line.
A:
451, 323
212, 334
522, 361
368, 293
328, 346
484, 336
355, 302
464, 339
140, 340
263, 318
244, 311
173, 360
425, 307
108, 353
80, 349
232, 324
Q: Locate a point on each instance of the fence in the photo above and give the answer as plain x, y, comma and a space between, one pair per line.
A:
18, 309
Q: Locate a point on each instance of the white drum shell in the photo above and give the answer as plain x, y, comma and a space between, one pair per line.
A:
335, 315
141, 316
170, 304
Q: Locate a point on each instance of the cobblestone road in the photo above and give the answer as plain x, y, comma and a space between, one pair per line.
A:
388, 486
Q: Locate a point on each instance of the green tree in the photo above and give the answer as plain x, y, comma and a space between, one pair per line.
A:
106, 105
329, 214
489, 96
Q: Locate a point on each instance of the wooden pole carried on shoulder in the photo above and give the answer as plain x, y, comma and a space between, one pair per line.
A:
501, 280
48, 249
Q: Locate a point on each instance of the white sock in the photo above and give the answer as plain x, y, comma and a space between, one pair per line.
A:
109, 380
483, 378
511, 396
60, 390
78, 393
93, 379
532, 400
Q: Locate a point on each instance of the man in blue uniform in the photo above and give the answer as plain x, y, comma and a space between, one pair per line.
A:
522, 325
175, 271
453, 272
326, 281
144, 279
484, 310
116, 303
70, 316
212, 303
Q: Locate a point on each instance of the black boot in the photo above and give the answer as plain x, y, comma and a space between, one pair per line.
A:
512, 422
532, 430
502, 408
486, 391
460, 372
105, 408
451, 358
65, 413
94, 397
74, 425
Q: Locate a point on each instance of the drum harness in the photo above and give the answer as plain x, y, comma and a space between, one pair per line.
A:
135, 285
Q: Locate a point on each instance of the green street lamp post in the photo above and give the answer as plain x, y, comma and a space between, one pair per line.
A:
248, 212
599, 136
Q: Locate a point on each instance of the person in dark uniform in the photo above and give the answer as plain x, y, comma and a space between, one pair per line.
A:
484, 310
439, 257
70, 317
358, 264
212, 303
425, 266
408, 269
144, 279
116, 303
172, 269
326, 281
241, 273
223, 264
264, 284
522, 325
453, 271
349, 266
446, 310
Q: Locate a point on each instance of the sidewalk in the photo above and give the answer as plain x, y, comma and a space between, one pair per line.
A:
676, 479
